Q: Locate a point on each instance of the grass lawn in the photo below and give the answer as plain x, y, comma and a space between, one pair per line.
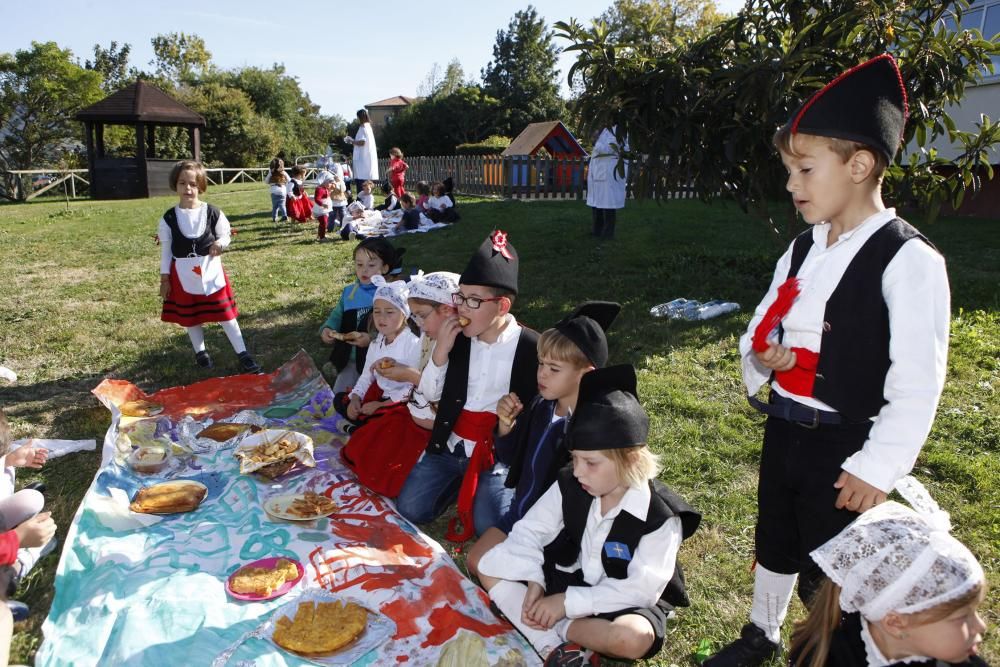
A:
79, 302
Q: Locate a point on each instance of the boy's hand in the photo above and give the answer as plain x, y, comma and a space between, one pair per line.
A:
215, 250
353, 408
534, 594
36, 531
449, 331
777, 357
164, 287
360, 339
28, 456
370, 407
508, 408
549, 610
856, 494
326, 335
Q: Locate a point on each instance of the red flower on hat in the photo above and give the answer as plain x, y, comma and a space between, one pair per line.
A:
499, 240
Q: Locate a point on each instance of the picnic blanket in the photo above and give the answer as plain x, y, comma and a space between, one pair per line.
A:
135, 589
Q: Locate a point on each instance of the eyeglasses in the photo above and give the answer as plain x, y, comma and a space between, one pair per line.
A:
472, 302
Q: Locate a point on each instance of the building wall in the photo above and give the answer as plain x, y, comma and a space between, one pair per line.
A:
380, 116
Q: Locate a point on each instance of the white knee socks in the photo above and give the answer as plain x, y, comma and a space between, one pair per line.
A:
197, 336
772, 593
233, 333
509, 596
235, 336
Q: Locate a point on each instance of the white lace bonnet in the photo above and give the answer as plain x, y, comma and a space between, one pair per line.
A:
437, 286
394, 292
894, 558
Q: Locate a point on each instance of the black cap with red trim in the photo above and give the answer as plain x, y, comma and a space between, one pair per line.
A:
494, 264
867, 104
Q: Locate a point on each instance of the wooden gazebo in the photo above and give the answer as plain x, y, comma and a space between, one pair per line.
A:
144, 107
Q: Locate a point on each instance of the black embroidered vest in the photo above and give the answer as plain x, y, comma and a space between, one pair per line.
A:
854, 350
626, 531
355, 319
523, 382
182, 246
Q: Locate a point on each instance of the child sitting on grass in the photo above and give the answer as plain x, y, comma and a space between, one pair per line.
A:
347, 325
901, 590
391, 202
411, 216
383, 451
394, 344
365, 195
439, 206
534, 439
598, 551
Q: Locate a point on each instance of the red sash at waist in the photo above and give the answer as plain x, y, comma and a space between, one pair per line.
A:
474, 427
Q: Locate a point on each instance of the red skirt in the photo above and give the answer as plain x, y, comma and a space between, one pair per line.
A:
189, 310
383, 451
300, 208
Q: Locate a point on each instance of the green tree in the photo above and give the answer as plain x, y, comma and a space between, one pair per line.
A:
40, 90
659, 25
442, 83
235, 134
179, 57
523, 74
112, 63
436, 125
704, 114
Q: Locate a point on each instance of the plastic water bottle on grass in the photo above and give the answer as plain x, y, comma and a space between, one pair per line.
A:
715, 308
668, 309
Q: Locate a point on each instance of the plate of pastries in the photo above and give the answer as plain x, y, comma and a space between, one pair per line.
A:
328, 630
264, 579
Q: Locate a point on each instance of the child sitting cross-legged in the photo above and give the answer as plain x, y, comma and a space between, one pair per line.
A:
535, 438
383, 451
598, 550
901, 590
439, 206
395, 343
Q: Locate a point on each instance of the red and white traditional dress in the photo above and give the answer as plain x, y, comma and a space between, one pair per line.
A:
186, 232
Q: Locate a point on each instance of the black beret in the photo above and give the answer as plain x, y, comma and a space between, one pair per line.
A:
587, 326
493, 265
608, 414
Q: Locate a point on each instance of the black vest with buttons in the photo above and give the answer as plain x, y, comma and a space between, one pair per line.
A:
523, 382
182, 246
626, 529
854, 351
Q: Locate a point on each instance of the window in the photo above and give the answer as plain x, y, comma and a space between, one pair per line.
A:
984, 16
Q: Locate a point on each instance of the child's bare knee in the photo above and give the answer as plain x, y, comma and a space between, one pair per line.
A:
631, 642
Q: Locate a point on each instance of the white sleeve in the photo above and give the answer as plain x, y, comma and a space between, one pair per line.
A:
649, 571
520, 556
432, 381
916, 292
367, 376
755, 374
223, 232
166, 254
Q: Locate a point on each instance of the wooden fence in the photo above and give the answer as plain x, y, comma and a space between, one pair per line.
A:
519, 177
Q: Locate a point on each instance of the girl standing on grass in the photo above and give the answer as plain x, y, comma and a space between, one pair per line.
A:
299, 206
397, 171
278, 180
193, 285
901, 590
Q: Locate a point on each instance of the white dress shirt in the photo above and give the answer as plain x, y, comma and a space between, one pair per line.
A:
490, 366
520, 556
405, 349
191, 222
915, 289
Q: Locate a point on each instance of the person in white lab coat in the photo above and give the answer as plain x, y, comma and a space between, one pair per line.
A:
605, 186
365, 159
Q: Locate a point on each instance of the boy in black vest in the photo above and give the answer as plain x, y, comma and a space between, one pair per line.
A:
852, 336
467, 375
598, 550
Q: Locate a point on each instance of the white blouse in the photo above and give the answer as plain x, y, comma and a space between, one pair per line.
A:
405, 350
191, 222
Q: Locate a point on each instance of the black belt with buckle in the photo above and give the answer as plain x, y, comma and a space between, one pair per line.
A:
793, 411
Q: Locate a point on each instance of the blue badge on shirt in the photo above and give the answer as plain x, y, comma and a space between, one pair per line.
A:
617, 550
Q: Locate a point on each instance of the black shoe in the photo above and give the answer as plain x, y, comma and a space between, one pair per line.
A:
37, 486
569, 654
203, 359
248, 363
751, 649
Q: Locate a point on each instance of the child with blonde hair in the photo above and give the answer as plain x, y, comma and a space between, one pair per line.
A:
278, 180
901, 590
394, 344
591, 568
193, 285
397, 171
533, 439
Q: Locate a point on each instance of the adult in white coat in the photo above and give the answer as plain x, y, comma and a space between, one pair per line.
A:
364, 165
605, 187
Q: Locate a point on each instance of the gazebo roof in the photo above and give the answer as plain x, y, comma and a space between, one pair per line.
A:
140, 103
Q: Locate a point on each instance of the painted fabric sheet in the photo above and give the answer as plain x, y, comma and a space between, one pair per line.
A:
134, 594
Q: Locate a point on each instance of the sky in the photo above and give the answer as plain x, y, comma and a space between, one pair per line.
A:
343, 57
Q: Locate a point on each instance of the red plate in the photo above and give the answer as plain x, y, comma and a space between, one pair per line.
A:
267, 563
